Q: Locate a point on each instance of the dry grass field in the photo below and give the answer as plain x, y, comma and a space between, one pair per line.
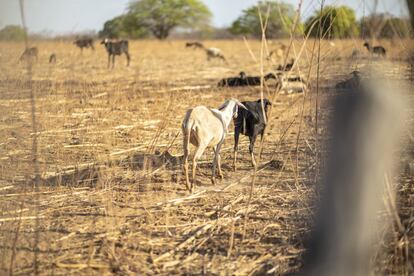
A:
99, 211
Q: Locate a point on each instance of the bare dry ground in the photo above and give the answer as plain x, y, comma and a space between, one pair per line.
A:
98, 212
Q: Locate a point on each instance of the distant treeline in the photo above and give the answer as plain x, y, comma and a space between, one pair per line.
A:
191, 19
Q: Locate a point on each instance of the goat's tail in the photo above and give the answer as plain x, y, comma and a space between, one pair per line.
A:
187, 126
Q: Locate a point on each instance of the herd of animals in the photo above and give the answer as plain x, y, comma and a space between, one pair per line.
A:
207, 127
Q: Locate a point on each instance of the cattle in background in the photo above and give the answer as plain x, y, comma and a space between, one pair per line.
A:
84, 43
116, 48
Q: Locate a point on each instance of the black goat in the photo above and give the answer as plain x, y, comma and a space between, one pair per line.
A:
116, 48
244, 80
194, 45
250, 122
84, 43
29, 53
52, 58
377, 50
287, 67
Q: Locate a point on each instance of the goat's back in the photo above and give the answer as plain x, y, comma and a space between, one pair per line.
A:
214, 51
252, 120
204, 124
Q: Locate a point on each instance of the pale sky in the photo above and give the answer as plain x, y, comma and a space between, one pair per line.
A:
69, 16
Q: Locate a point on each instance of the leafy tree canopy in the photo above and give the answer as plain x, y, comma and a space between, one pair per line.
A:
160, 17
280, 21
335, 22
385, 26
123, 26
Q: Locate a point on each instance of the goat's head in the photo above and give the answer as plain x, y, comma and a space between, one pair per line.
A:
266, 103
270, 76
105, 41
356, 73
233, 105
237, 104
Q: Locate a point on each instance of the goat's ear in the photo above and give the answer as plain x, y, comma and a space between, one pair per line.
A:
241, 105
226, 103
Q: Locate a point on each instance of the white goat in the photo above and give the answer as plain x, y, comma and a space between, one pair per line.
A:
292, 84
203, 127
210, 52
214, 53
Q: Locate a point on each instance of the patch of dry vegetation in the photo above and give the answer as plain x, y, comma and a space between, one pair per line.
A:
99, 213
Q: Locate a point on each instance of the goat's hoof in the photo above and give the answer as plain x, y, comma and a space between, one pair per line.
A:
221, 176
213, 181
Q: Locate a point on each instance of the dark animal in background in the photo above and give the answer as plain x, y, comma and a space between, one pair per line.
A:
29, 53
244, 80
287, 67
250, 122
194, 45
52, 58
352, 83
376, 50
84, 43
116, 48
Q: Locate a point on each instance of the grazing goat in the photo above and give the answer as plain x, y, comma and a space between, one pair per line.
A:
250, 122
116, 48
292, 84
244, 80
351, 83
52, 58
203, 127
194, 45
210, 52
29, 53
84, 43
287, 67
214, 53
377, 50
279, 52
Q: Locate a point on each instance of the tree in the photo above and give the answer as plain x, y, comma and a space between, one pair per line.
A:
123, 26
384, 25
335, 22
12, 32
160, 17
281, 16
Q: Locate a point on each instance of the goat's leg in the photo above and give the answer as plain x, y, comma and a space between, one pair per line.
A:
109, 60
251, 149
218, 148
199, 151
236, 147
216, 162
113, 61
213, 173
186, 153
128, 58
261, 142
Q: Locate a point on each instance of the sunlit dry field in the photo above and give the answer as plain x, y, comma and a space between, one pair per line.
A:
98, 210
